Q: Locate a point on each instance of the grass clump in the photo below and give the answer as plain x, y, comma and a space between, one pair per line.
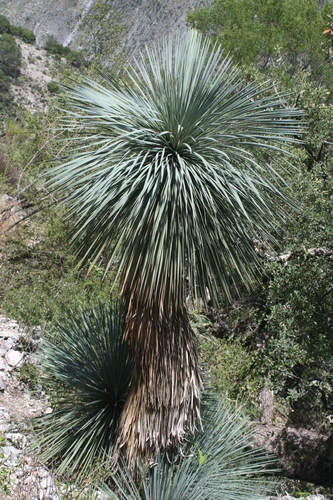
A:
39, 277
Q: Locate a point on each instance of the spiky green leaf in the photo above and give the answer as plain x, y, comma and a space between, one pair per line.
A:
173, 174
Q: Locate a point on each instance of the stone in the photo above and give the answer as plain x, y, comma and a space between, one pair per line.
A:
10, 334
47, 411
43, 473
2, 385
13, 357
9, 344
19, 473
16, 439
30, 479
2, 365
11, 453
46, 482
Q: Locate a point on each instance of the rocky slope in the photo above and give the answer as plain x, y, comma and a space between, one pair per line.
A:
142, 20
47, 17
22, 476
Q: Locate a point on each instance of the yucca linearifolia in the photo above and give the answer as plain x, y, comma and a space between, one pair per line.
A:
173, 176
90, 358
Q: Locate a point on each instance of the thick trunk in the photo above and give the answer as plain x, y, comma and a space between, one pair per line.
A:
164, 399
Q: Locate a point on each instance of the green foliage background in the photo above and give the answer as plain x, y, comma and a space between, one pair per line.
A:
279, 35
282, 335
10, 56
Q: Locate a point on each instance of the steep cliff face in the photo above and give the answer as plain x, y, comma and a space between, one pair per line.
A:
60, 18
142, 21
148, 20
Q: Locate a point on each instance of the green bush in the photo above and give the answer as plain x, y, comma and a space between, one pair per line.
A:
53, 87
284, 331
54, 47
10, 56
4, 82
279, 34
76, 59
15, 30
299, 298
25, 34
7, 105
4, 24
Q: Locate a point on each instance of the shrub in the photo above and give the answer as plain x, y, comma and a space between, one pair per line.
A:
91, 360
7, 105
53, 87
54, 47
4, 24
15, 131
25, 34
4, 82
76, 59
10, 56
15, 30
280, 34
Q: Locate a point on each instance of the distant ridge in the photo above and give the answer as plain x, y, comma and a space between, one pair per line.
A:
144, 20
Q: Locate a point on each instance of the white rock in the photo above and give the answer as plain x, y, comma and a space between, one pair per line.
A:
12, 324
16, 439
30, 479
2, 385
46, 482
2, 365
47, 411
11, 453
13, 357
43, 473
9, 344
19, 473
10, 334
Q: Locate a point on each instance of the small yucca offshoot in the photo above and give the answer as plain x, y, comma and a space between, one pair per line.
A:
172, 176
222, 463
89, 357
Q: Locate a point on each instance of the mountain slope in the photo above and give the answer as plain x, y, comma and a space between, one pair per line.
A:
142, 21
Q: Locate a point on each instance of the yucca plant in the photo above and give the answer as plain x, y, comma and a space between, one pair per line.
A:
173, 177
90, 359
222, 464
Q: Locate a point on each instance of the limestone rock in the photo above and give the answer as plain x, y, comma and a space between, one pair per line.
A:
13, 357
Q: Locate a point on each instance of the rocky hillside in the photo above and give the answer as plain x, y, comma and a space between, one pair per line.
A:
76, 23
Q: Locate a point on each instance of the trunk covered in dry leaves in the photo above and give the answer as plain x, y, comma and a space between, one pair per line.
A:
164, 399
